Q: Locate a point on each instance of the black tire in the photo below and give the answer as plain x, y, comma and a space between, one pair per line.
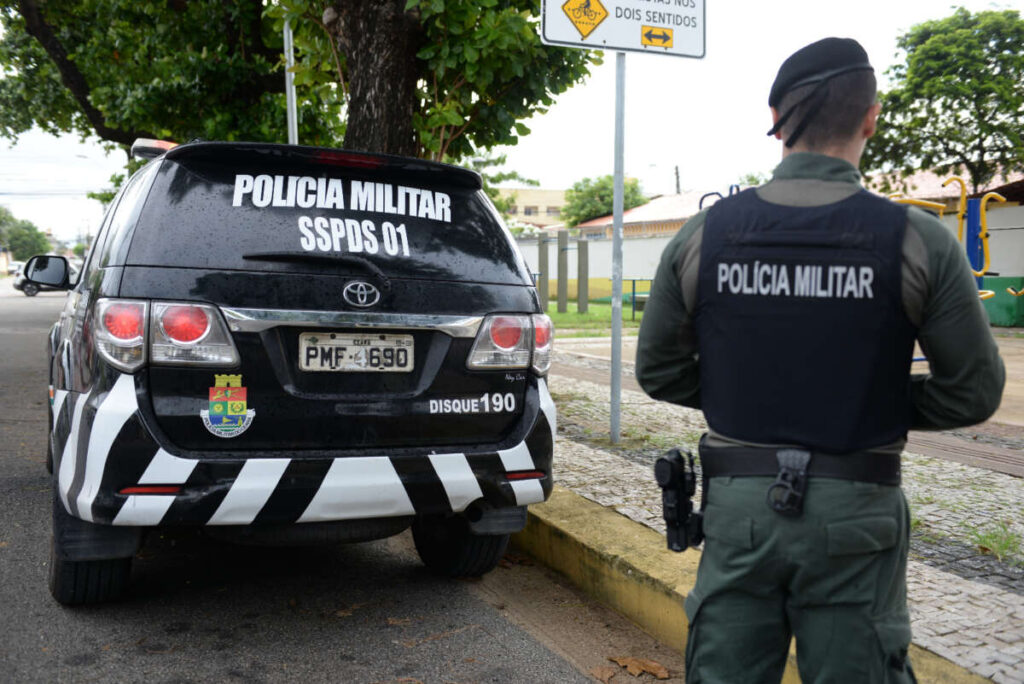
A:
75, 583
447, 547
30, 289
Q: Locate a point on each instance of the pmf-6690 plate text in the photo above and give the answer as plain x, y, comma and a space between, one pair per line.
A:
355, 352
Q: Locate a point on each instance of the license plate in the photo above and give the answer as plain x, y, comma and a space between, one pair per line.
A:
355, 353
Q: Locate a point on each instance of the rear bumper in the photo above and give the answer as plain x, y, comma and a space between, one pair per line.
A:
102, 446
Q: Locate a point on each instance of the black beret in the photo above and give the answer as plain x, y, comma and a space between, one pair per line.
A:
818, 62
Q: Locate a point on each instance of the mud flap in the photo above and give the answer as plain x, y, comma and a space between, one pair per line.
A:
78, 540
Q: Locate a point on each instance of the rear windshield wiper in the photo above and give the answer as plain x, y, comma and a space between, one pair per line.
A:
320, 257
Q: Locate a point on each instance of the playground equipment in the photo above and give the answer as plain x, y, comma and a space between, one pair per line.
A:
977, 242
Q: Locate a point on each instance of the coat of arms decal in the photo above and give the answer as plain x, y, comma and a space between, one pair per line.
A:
229, 414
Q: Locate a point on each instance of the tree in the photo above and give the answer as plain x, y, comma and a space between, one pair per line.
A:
753, 179
124, 69
432, 78
22, 237
589, 199
957, 102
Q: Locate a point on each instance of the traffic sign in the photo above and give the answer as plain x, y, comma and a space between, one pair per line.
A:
662, 27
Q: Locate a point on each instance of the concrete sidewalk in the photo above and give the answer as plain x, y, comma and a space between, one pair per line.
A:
626, 566
603, 529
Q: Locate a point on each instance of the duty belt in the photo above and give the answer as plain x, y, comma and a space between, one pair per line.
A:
792, 467
860, 466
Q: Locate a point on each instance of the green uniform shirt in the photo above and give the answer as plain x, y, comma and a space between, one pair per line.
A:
966, 377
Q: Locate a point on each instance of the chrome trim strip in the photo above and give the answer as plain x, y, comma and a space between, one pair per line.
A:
258, 320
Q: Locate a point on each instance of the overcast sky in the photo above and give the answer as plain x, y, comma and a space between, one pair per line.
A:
707, 116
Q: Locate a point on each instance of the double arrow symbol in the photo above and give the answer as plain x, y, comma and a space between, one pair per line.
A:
650, 35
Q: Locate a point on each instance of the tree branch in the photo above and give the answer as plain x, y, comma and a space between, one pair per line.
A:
70, 76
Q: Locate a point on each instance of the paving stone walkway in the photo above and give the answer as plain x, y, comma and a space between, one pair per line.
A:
965, 605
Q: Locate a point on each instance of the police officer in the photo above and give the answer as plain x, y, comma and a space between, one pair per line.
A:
788, 314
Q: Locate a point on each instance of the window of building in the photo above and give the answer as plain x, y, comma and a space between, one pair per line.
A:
513, 209
529, 211
554, 211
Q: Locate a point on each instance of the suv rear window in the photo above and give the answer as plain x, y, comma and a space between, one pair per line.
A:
261, 213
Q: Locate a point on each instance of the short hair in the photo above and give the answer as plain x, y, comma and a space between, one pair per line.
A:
845, 100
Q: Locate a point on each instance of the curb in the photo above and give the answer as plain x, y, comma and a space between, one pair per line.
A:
626, 566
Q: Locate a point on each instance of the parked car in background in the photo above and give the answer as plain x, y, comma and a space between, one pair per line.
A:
294, 345
14, 266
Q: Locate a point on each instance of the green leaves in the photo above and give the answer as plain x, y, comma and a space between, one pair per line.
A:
588, 199
21, 237
201, 69
957, 103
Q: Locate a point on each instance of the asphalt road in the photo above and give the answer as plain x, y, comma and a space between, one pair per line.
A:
199, 610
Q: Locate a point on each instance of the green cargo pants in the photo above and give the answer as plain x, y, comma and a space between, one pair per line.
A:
835, 577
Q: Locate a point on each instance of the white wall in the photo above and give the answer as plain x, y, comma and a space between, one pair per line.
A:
640, 256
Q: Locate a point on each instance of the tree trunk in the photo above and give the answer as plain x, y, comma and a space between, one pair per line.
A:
380, 41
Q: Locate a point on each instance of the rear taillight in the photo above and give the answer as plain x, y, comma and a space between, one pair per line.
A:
190, 334
513, 341
504, 341
184, 324
543, 336
130, 332
121, 332
507, 332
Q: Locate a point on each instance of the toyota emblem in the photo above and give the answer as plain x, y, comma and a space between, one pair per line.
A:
360, 293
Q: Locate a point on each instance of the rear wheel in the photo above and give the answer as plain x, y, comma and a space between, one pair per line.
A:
30, 289
447, 547
79, 582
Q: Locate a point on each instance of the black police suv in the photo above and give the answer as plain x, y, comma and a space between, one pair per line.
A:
290, 344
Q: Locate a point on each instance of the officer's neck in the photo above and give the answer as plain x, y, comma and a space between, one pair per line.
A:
849, 151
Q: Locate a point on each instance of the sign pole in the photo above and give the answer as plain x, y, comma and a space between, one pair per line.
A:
675, 29
617, 202
289, 85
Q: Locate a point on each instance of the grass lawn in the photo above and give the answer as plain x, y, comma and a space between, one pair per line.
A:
596, 322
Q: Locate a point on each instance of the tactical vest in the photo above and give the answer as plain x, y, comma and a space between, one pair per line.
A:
801, 330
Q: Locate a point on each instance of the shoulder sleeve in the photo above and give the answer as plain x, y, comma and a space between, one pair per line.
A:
666, 357
965, 380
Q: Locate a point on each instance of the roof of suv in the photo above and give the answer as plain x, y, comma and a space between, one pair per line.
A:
248, 151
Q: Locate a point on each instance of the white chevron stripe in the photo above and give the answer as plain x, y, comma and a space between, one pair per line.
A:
458, 480
547, 405
365, 487
517, 458
167, 469
66, 474
144, 510
118, 406
527, 491
58, 403
250, 491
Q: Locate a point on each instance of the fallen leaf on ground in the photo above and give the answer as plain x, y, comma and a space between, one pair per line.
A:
637, 666
399, 621
604, 673
510, 559
3, 544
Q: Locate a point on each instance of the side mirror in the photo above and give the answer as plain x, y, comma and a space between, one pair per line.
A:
51, 271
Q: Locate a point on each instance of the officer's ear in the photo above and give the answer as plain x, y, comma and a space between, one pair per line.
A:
775, 120
870, 123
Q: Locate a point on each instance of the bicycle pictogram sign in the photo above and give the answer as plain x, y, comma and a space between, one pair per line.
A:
585, 15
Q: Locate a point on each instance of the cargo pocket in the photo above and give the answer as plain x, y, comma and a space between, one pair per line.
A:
861, 536
894, 641
725, 525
